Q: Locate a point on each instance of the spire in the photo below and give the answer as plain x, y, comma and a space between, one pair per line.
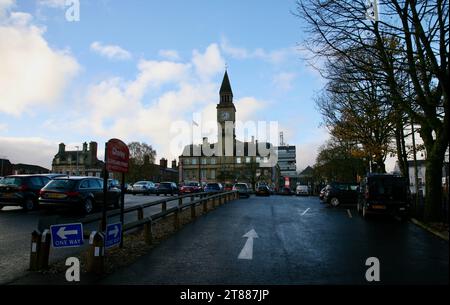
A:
226, 87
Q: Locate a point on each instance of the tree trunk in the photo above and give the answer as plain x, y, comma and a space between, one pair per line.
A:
433, 192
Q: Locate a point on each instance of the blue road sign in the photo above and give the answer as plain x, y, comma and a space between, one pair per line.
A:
67, 235
113, 234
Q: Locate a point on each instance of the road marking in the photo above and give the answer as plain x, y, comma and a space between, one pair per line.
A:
305, 211
247, 251
349, 213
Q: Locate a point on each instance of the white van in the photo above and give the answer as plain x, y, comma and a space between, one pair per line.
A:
302, 190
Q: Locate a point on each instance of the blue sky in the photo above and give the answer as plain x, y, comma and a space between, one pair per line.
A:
128, 69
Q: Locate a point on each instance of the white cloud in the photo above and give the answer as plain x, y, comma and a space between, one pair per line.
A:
169, 55
208, 63
110, 51
284, 80
274, 56
5, 5
32, 150
32, 73
52, 3
3, 127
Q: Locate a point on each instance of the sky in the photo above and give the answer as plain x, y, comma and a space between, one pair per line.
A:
130, 69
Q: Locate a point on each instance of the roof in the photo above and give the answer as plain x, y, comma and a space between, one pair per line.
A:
225, 87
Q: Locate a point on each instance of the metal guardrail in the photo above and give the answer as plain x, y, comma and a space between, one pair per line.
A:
40, 242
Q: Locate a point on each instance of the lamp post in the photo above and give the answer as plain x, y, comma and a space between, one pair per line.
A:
78, 173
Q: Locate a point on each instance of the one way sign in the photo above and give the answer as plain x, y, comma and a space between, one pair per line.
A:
113, 234
67, 235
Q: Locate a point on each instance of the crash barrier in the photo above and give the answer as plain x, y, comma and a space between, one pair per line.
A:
41, 241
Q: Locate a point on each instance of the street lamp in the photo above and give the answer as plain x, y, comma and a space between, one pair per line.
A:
78, 173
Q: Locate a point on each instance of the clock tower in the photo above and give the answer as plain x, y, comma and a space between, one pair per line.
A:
226, 111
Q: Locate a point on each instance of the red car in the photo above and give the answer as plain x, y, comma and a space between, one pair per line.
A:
190, 187
228, 187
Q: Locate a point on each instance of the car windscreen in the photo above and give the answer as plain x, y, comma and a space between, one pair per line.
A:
164, 185
241, 186
192, 184
61, 184
140, 183
389, 188
214, 186
16, 181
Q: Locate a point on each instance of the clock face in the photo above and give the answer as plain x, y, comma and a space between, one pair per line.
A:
225, 116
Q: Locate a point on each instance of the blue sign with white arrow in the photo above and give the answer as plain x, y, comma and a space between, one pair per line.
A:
67, 235
113, 234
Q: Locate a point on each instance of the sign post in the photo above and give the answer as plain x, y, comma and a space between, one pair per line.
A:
117, 156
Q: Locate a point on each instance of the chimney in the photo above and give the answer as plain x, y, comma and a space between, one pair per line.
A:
84, 147
93, 150
163, 163
174, 164
62, 148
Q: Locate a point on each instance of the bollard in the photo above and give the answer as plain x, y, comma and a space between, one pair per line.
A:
180, 201
96, 255
192, 198
140, 213
164, 206
35, 248
44, 251
148, 234
176, 222
192, 211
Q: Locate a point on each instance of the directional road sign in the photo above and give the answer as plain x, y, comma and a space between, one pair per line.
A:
113, 234
67, 235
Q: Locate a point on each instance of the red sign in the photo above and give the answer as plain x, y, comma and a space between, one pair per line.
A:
286, 181
117, 156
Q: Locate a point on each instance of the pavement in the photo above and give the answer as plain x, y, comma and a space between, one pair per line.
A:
290, 241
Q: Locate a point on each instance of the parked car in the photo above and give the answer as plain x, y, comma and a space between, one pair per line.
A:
114, 183
81, 193
22, 190
213, 188
322, 193
302, 190
190, 187
286, 191
242, 189
341, 193
167, 188
54, 175
384, 194
228, 187
262, 190
144, 187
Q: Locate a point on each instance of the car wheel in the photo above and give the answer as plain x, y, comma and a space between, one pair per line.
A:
88, 206
29, 204
334, 202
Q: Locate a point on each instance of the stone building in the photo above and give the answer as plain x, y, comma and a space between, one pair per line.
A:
78, 162
229, 160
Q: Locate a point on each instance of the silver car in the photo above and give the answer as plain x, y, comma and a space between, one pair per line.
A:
144, 187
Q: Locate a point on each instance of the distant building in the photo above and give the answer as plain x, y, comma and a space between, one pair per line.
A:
28, 169
82, 163
229, 160
6, 168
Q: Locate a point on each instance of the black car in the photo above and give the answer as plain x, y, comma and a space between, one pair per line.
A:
242, 189
167, 188
384, 194
341, 193
22, 190
262, 190
82, 193
213, 188
286, 191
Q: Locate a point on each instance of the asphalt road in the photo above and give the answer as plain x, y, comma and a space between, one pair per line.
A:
300, 241
16, 227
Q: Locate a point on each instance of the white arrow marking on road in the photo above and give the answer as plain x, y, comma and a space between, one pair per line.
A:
63, 234
305, 211
349, 213
247, 251
114, 232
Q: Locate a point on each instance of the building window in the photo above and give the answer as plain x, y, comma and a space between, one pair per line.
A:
238, 160
213, 174
248, 159
193, 161
204, 161
213, 161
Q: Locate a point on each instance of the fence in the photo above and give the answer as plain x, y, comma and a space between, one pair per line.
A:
40, 242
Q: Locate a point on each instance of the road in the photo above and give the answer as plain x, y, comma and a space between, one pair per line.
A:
299, 241
16, 227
